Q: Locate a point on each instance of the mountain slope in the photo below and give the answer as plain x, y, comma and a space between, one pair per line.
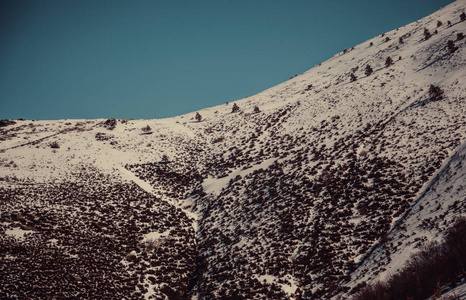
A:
293, 199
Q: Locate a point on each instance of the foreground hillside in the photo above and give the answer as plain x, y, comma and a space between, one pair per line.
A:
305, 190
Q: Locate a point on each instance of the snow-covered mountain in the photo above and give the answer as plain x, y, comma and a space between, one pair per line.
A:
304, 191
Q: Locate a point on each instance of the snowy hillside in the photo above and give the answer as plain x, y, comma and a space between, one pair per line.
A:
303, 191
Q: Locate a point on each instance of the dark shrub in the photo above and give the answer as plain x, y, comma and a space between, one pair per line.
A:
435, 92
388, 62
451, 46
198, 117
54, 145
110, 123
427, 34
147, 129
368, 70
6, 122
235, 108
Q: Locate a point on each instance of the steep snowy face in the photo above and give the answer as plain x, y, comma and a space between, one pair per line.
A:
285, 194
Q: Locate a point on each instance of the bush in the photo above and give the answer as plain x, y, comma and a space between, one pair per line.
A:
235, 108
368, 70
256, 109
463, 17
147, 129
54, 145
435, 92
198, 117
427, 34
353, 77
110, 123
459, 36
165, 158
451, 46
6, 122
388, 62
439, 23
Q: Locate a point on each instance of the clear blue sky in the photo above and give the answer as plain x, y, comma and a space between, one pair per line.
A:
160, 58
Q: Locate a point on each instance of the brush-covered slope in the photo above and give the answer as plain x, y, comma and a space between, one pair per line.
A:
287, 196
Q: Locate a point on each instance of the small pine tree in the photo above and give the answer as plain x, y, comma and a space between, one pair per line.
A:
147, 129
235, 108
388, 62
198, 117
439, 23
400, 40
451, 46
369, 70
435, 92
427, 34
353, 77
463, 17
371, 44
387, 39
54, 145
449, 23
459, 36
256, 109
165, 158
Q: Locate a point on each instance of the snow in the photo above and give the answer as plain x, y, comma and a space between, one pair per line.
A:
154, 236
290, 287
214, 186
18, 233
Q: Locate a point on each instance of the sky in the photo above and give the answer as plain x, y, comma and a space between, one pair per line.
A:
145, 59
